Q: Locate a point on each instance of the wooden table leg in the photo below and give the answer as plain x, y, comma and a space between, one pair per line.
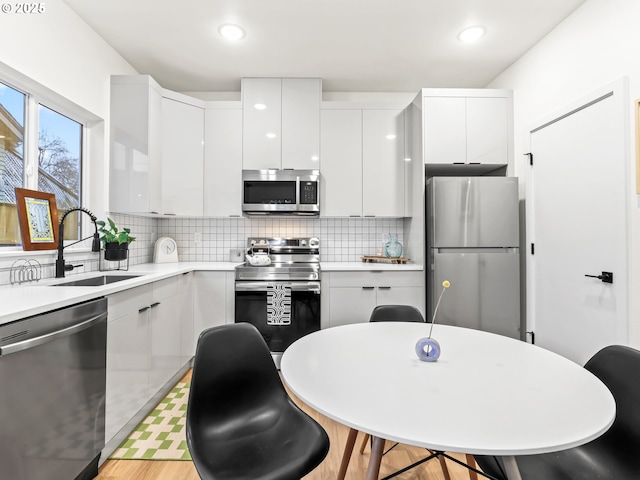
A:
364, 443
377, 448
346, 455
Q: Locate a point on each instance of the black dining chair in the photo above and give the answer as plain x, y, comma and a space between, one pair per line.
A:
612, 456
241, 423
396, 313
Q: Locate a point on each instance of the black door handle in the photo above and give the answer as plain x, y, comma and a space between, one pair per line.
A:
606, 277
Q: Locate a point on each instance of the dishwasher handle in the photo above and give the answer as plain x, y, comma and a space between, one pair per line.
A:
50, 337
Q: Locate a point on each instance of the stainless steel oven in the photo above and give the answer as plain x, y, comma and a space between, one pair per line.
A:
281, 299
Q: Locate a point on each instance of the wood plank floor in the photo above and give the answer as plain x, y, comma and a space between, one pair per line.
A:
398, 458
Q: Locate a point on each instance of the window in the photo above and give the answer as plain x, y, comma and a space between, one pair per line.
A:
12, 113
59, 163
52, 162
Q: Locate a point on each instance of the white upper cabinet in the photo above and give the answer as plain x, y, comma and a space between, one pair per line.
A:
383, 163
223, 162
445, 130
136, 153
488, 130
281, 123
261, 123
341, 146
301, 123
157, 150
182, 158
465, 126
363, 167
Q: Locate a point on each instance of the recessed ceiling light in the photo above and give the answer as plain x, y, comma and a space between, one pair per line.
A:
391, 136
315, 158
471, 34
259, 106
271, 135
231, 32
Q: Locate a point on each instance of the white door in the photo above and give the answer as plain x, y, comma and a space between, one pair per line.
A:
576, 213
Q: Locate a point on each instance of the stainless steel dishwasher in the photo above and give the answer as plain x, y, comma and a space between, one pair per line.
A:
52, 390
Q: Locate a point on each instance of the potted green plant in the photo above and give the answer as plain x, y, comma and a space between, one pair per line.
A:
115, 242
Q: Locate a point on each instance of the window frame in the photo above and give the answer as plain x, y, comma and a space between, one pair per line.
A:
36, 95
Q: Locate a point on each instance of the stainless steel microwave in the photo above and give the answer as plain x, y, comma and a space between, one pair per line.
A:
281, 192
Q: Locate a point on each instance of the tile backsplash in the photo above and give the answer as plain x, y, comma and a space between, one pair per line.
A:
212, 239
341, 240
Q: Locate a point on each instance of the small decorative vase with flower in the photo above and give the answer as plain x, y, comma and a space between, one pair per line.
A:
427, 348
393, 248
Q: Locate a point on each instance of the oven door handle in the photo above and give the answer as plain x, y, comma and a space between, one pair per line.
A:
263, 286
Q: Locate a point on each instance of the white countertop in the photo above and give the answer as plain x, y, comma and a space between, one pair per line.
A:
20, 301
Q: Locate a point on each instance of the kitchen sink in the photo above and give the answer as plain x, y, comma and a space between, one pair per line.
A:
95, 281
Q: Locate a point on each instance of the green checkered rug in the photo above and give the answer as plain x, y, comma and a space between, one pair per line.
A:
160, 436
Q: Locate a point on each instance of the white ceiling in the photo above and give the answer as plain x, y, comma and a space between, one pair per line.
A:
353, 45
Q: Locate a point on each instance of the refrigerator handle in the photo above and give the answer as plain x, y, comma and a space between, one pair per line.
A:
476, 250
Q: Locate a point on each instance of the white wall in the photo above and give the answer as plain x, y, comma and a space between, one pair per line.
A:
62, 53
597, 44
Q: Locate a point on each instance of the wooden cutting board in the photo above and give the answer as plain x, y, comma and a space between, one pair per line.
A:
381, 259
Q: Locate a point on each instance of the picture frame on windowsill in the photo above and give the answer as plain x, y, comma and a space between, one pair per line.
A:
38, 218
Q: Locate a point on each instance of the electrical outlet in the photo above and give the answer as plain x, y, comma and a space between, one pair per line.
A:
197, 237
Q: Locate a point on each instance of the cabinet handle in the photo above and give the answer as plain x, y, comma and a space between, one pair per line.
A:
368, 288
143, 309
154, 304
384, 288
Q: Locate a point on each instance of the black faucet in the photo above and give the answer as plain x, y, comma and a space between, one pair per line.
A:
95, 246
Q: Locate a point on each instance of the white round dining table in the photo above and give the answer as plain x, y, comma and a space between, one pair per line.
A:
486, 394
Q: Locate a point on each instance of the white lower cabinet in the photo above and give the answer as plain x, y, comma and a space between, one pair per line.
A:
213, 301
352, 296
164, 333
143, 348
128, 361
185, 295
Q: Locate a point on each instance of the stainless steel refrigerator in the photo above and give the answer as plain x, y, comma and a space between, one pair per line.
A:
472, 229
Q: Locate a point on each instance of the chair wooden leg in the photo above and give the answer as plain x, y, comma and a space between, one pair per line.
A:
346, 455
443, 465
364, 443
377, 447
472, 463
